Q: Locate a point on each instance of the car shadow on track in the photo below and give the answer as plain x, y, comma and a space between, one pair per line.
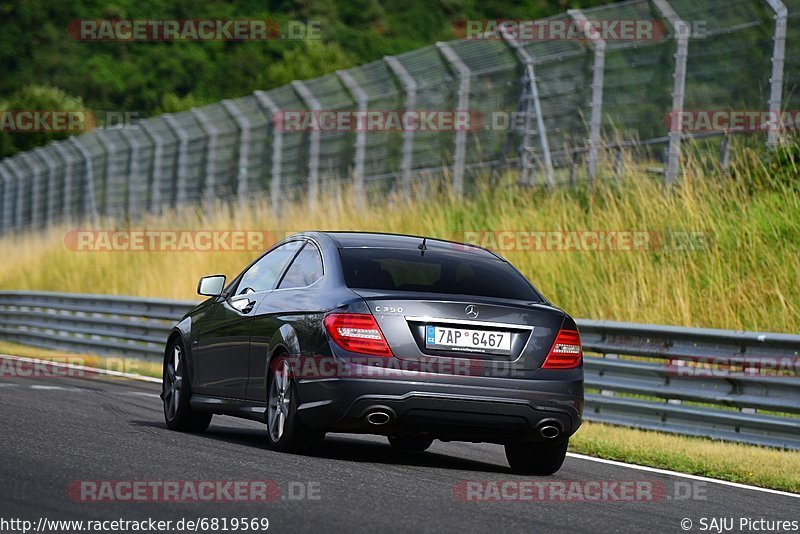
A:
345, 448
356, 450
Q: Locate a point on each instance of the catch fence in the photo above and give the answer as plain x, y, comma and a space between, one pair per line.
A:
555, 109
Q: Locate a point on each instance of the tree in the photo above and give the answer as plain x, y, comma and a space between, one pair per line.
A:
42, 100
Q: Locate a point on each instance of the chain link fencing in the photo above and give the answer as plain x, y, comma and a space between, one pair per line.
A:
555, 106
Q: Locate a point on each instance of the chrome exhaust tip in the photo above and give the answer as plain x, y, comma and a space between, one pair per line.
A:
378, 418
549, 431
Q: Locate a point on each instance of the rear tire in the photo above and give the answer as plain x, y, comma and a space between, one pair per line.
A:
285, 431
410, 443
539, 458
176, 393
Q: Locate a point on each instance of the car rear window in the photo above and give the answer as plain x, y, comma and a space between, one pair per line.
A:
436, 271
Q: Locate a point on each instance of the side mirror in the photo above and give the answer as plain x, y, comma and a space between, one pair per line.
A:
211, 286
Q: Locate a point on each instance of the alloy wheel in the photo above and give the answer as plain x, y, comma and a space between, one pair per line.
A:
174, 379
279, 401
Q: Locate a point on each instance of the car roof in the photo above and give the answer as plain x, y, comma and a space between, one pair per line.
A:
402, 241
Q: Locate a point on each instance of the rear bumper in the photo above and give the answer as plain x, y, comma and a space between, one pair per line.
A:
482, 410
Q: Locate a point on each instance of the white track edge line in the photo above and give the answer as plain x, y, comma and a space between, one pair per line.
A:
682, 475
97, 370
570, 454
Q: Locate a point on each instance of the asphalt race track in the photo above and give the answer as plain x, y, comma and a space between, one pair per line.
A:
57, 431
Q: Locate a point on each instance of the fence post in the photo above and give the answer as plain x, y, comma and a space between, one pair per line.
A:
210, 185
49, 198
133, 170
410, 87
531, 96
678, 90
112, 179
776, 81
361, 100
2, 198
618, 163
268, 105
66, 201
460, 155
90, 200
724, 154
598, 78
158, 154
244, 125
36, 190
8, 202
314, 106
183, 160
19, 201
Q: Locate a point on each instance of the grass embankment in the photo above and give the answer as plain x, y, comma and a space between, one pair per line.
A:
119, 364
742, 270
745, 464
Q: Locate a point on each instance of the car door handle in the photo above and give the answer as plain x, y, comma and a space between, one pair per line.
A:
244, 305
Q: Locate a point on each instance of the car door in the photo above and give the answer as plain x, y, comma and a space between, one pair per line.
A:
290, 307
223, 336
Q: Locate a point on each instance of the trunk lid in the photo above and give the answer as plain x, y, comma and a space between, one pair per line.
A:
445, 333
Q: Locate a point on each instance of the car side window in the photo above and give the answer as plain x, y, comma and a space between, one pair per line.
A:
305, 269
263, 275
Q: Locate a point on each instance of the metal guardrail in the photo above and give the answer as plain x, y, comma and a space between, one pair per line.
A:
672, 379
97, 324
722, 384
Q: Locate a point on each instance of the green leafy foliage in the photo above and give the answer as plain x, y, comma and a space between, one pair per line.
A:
36, 98
148, 78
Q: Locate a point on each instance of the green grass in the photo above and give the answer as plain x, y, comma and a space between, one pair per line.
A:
743, 276
114, 363
745, 464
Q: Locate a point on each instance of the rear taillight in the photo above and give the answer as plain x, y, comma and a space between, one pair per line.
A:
357, 332
566, 352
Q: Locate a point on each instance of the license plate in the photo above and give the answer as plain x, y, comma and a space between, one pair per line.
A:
467, 340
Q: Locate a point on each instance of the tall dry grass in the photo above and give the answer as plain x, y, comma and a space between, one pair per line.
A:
744, 275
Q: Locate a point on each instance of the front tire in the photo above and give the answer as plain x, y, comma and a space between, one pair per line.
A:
285, 431
540, 458
176, 392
